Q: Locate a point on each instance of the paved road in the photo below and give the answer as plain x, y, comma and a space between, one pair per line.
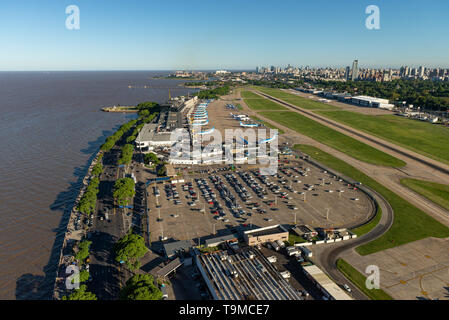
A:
418, 166
327, 255
106, 274
330, 123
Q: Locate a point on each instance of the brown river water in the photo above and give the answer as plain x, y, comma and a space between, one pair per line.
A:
50, 128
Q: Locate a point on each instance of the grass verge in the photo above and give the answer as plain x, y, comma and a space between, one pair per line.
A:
267, 124
435, 192
360, 231
334, 139
359, 280
296, 100
294, 238
410, 223
422, 137
257, 102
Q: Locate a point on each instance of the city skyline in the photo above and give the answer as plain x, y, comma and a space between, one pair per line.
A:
142, 35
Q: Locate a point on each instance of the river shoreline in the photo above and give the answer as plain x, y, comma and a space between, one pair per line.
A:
71, 235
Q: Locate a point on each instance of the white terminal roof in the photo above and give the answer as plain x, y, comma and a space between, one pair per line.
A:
371, 99
324, 281
147, 132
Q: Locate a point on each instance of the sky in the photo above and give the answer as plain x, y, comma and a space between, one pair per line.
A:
212, 34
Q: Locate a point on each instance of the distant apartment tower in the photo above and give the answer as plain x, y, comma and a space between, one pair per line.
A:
347, 73
355, 70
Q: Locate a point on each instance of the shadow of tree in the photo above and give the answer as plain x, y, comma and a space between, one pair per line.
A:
34, 287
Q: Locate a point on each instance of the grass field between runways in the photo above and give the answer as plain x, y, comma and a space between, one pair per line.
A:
256, 102
428, 139
333, 139
296, 100
435, 192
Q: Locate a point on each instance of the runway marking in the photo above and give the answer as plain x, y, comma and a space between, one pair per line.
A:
419, 276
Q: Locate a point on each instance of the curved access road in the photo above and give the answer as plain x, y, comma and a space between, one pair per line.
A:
326, 255
327, 258
418, 166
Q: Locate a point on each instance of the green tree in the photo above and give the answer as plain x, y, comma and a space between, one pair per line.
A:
81, 294
148, 105
88, 201
97, 169
162, 170
130, 249
151, 157
124, 190
141, 287
127, 154
83, 250
84, 276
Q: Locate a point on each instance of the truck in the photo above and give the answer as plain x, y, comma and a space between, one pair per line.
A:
306, 252
280, 243
275, 245
292, 251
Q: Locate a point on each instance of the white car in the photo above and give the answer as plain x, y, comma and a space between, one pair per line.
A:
347, 287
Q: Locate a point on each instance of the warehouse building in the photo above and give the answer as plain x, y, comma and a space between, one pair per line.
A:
330, 289
149, 138
267, 234
372, 102
214, 242
246, 275
178, 247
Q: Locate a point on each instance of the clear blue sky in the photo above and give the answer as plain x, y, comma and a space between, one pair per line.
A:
211, 34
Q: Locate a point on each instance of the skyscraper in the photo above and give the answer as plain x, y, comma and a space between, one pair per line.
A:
355, 70
421, 71
347, 72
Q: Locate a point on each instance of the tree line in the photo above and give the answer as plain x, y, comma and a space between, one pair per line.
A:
430, 95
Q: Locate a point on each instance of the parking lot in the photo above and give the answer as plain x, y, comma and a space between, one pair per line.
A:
209, 203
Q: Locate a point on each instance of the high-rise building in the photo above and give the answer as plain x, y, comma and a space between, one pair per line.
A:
407, 71
355, 70
347, 73
421, 71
